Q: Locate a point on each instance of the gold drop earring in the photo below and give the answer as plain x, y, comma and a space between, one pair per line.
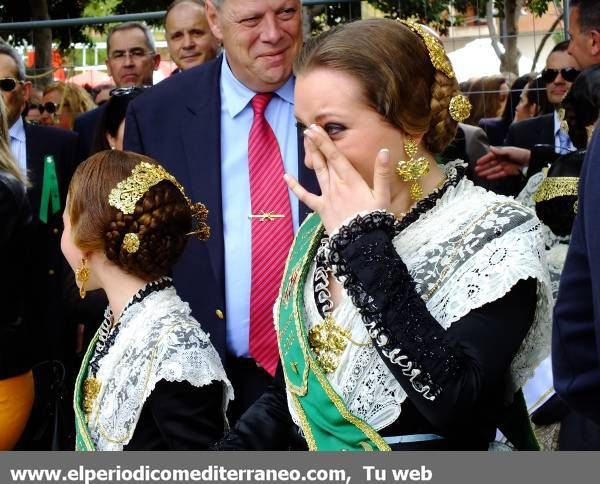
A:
413, 169
82, 274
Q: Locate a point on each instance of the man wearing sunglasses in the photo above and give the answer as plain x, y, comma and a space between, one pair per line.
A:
513, 160
31, 146
558, 75
131, 61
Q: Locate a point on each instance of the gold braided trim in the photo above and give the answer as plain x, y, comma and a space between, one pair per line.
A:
437, 54
556, 186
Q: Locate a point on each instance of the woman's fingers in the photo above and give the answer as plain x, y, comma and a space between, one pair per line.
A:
311, 200
317, 163
381, 178
327, 149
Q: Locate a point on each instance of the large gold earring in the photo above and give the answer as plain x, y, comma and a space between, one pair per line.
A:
82, 274
413, 169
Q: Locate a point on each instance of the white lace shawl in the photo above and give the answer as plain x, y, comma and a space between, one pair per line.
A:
158, 340
469, 250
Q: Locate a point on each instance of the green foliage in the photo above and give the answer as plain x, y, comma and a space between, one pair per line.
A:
537, 7
432, 12
20, 11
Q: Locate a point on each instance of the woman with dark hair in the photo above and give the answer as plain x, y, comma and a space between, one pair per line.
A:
497, 128
414, 305
534, 101
16, 379
111, 126
150, 379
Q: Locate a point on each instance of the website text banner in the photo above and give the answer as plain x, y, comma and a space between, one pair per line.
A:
299, 467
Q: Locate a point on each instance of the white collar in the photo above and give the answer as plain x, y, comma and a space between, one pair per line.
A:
17, 130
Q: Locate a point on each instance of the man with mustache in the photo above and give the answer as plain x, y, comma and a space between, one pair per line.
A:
226, 130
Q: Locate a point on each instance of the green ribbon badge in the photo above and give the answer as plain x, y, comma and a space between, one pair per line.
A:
50, 194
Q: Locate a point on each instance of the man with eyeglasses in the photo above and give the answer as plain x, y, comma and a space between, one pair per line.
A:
41, 152
131, 61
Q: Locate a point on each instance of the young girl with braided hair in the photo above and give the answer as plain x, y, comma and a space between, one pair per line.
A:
151, 378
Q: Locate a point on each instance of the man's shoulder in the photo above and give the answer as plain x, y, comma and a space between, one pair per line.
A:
537, 121
90, 116
178, 88
49, 135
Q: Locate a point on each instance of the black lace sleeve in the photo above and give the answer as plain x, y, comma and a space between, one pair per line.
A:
437, 368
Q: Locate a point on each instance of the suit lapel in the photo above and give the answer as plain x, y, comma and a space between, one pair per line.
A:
35, 169
201, 135
306, 177
547, 129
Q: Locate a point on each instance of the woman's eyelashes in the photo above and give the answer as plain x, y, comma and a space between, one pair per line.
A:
331, 129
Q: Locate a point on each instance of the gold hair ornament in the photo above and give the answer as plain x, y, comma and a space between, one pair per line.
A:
82, 275
413, 169
131, 242
437, 54
128, 192
556, 186
460, 106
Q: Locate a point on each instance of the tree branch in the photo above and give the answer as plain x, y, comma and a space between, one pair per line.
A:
547, 35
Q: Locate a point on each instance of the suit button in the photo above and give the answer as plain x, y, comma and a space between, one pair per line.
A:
219, 314
55, 231
51, 272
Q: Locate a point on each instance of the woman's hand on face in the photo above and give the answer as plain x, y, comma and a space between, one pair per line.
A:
344, 192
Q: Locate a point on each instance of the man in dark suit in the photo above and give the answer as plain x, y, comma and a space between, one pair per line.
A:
560, 72
198, 125
41, 152
576, 330
131, 60
49, 156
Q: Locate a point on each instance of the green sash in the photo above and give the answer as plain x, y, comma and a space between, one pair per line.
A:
50, 194
83, 439
325, 419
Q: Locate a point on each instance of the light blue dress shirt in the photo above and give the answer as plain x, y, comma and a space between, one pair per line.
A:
562, 141
18, 146
236, 121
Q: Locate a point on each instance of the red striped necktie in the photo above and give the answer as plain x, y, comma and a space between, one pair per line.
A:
272, 233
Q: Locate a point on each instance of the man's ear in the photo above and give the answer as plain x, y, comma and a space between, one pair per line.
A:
26, 86
156, 61
213, 18
595, 43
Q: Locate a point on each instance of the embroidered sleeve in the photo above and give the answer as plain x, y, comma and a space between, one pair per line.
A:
446, 373
411, 341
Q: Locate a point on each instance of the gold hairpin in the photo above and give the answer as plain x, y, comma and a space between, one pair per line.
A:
128, 192
460, 106
436, 51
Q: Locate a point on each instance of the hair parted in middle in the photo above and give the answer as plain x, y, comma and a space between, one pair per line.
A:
162, 217
392, 64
